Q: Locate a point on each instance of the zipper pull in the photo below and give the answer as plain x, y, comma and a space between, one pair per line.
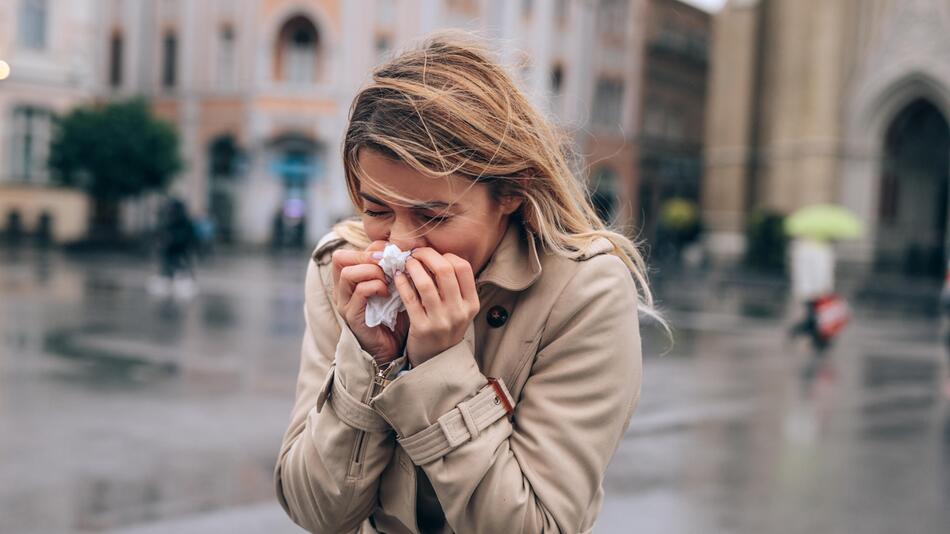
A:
380, 379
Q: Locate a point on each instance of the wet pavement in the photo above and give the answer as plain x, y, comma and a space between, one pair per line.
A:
120, 412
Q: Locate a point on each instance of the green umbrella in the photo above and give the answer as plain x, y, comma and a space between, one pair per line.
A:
823, 221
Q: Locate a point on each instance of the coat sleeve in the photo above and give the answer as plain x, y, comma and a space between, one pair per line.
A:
333, 452
541, 471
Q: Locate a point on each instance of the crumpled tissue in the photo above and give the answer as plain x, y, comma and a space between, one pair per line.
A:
383, 310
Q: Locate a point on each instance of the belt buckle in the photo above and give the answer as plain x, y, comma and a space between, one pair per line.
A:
500, 395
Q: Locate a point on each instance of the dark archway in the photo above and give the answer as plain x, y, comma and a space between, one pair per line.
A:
298, 54
224, 158
297, 162
912, 212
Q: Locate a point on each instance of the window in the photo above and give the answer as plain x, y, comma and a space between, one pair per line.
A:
223, 157
608, 102
169, 59
29, 143
612, 16
227, 58
115, 59
675, 127
298, 51
33, 16
654, 120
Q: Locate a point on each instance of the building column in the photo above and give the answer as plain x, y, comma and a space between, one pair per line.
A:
578, 70
542, 27
189, 31
730, 114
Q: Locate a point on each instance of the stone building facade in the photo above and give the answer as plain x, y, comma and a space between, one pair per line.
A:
840, 101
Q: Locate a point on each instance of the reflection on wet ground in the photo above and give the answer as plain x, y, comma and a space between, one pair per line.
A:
118, 409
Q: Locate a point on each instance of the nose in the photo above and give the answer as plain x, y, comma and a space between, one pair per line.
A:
407, 236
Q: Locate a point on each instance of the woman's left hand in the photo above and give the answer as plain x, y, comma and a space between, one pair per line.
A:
440, 305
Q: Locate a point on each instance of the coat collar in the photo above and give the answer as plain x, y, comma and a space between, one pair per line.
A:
515, 264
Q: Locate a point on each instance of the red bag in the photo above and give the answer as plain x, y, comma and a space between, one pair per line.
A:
831, 315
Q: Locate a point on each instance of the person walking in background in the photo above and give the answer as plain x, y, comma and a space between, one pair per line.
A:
178, 243
814, 229
813, 275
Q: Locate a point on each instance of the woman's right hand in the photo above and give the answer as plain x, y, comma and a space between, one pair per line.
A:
356, 278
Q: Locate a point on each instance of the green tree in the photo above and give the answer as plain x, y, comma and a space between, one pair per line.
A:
113, 151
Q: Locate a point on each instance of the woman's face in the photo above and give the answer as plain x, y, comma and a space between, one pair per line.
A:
450, 215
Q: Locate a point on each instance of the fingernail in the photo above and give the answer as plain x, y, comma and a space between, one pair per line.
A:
399, 274
377, 255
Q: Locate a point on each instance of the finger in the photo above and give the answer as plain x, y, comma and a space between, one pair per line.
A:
410, 298
362, 293
428, 292
465, 277
376, 246
354, 274
443, 272
345, 258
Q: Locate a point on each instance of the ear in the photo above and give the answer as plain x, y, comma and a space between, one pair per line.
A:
510, 204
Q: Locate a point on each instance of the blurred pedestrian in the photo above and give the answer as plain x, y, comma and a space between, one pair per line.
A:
813, 274
178, 243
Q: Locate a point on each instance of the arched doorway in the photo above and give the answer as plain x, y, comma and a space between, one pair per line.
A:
297, 162
912, 209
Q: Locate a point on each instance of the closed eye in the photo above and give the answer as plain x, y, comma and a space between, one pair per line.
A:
434, 218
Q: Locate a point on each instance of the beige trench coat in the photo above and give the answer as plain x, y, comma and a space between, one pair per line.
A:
368, 451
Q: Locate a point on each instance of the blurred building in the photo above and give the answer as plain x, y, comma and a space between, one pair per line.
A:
260, 89
842, 101
673, 100
50, 48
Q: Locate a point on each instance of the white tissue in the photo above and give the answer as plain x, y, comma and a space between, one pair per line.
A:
383, 310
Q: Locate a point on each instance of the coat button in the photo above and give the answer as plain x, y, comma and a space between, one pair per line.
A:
497, 316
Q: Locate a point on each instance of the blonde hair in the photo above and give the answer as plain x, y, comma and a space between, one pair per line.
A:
446, 108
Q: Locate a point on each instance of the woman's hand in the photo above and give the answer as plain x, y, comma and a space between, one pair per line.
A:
440, 305
356, 278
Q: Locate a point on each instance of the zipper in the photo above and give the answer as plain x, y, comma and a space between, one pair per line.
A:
379, 382
358, 452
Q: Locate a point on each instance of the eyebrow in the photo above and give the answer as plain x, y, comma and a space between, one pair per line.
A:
432, 204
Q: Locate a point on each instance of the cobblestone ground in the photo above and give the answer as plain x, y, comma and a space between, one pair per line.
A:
121, 412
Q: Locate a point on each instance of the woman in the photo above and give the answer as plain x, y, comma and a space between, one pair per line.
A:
498, 400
